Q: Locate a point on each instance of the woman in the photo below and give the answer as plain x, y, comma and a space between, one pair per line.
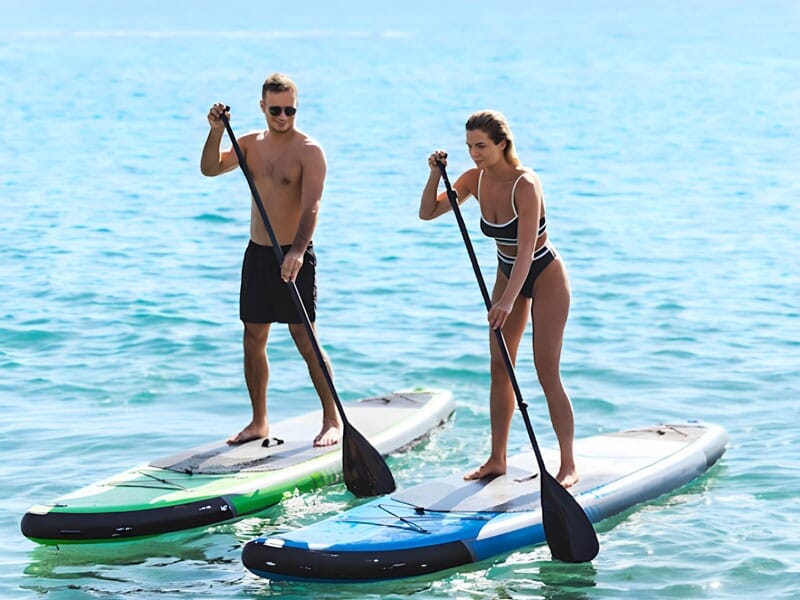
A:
531, 278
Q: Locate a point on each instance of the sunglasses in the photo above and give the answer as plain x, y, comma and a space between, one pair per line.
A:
276, 110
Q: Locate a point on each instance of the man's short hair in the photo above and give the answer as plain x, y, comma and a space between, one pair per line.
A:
277, 82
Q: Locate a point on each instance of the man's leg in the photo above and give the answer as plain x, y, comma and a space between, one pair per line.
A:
331, 430
256, 374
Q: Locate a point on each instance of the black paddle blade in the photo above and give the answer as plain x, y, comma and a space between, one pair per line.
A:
568, 530
365, 472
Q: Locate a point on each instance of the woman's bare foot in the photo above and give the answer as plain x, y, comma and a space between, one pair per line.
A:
329, 435
252, 432
567, 477
491, 468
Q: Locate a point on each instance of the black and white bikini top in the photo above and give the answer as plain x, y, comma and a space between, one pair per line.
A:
505, 233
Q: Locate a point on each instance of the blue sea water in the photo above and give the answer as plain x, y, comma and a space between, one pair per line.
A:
667, 137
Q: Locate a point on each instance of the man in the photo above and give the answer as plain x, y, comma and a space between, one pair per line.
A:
288, 170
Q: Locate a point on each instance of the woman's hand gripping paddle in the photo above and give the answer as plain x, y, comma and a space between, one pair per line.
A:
568, 531
365, 471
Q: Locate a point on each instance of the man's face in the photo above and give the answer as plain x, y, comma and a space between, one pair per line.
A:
274, 106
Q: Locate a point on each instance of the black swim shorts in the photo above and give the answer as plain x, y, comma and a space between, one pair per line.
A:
264, 297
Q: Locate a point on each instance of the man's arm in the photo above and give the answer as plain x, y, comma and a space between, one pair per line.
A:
212, 161
311, 186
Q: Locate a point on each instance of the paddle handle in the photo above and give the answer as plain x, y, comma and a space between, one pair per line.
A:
295, 294
501, 342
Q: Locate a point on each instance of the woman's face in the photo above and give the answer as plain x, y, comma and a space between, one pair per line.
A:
482, 150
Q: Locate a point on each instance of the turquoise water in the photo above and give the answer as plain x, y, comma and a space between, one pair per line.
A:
666, 136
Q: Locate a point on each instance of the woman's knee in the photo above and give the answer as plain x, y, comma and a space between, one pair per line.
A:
549, 374
497, 366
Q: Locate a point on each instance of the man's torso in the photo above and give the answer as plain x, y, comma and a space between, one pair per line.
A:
277, 170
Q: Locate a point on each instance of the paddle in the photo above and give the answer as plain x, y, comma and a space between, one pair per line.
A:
365, 471
568, 531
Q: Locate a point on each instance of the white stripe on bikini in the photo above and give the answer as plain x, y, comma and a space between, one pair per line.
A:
539, 253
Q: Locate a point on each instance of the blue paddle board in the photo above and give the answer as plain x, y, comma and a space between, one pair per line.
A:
449, 522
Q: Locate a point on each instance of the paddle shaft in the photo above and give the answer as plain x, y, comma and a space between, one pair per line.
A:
295, 294
501, 342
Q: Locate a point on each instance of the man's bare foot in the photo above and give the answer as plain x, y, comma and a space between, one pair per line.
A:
490, 468
249, 433
567, 478
329, 435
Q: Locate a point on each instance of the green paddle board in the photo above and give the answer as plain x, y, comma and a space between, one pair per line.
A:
217, 482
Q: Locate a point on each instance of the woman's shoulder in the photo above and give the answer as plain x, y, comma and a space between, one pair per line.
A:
470, 176
473, 172
529, 178
527, 173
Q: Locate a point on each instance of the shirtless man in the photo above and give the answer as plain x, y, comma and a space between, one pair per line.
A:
288, 169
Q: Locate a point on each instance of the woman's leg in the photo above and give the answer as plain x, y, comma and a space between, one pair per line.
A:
549, 314
501, 394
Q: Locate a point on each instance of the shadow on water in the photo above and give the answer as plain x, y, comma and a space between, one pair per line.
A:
136, 567
567, 581
66, 561
195, 564
545, 579
533, 574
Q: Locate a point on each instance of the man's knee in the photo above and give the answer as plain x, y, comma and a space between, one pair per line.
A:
255, 335
302, 340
